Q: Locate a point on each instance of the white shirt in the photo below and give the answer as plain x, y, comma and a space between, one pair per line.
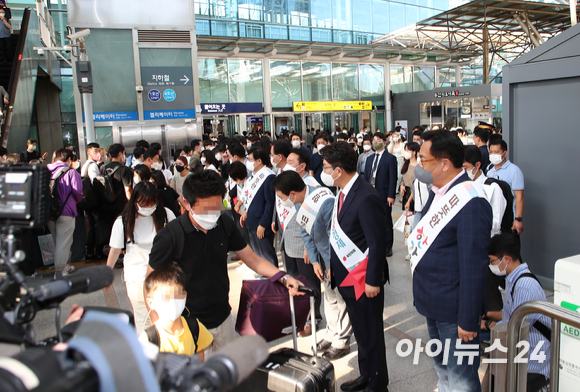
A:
210, 167
346, 189
90, 170
136, 254
496, 200
377, 158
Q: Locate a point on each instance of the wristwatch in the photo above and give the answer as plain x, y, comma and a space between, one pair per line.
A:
518, 218
284, 279
488, 323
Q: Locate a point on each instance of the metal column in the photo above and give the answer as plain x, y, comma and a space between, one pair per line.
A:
388, 103
267, 90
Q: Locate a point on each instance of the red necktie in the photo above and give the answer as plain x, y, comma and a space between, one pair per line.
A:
340, 201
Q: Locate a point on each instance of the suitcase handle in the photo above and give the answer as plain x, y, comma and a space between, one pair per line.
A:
307, 290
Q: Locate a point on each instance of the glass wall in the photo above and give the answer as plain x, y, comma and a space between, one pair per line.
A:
401, 79
423, 78
316, 79
213, 80
372, 83
342, 21
344, 82
245, 78
285, 83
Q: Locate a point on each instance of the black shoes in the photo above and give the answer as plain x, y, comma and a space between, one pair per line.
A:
335, 353
389, 252
357, 384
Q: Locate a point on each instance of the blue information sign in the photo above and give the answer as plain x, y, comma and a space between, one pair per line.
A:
114, 116
230, 108
169, 95
164, 114
154, 95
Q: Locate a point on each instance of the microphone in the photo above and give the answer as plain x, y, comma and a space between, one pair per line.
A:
232, 364
86, 280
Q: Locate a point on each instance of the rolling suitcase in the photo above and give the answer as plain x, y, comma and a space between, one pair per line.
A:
288, 370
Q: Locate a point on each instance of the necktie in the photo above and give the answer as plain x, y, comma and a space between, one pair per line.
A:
375, 163
340, 201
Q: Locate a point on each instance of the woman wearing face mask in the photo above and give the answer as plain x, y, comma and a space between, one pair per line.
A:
134, 231
397, 147
208, 160
408, 172
141, 173
181, 173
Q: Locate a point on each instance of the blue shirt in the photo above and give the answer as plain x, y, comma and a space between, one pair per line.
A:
4, 31
528, 289
511, 174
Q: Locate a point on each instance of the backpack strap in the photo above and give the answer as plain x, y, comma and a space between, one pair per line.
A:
57, 179
178, 236
545, 331
153, 335
193, 324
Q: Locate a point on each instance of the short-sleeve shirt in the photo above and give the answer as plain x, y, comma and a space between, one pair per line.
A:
169, 198
511, 174
137, 253
204, 261
182, 343
122, 179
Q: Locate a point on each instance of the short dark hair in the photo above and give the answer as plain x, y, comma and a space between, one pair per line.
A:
194, 143
501, 143
3, 151
263, 155
303, 156
31, 141
138, 152
481, 133
342, 136
203, 185
323, 136
472, 154
144, 144
143, 172
238, 171
418, 128
288, 181
155, 146
209, 157
341, 154
418, 133
116, 149
504, 244
282, 147
150, 153
63, 155
496, 138
445, 145
237, 150
91, 146
295, 134
380, 135
186, 149
168, 275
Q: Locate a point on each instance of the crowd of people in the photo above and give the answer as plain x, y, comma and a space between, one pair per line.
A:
330, 199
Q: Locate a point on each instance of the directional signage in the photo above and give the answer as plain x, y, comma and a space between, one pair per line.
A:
167, 92
332, 106
230, 108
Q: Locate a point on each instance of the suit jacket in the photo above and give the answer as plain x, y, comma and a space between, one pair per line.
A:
449, 281
362, 218
386, 179
262, 207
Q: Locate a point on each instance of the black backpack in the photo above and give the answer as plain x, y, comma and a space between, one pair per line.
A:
55, 206
103, 185
547, 332
508, 216
90, 199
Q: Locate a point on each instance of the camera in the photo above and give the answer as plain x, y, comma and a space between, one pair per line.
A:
79, 34
139, 89
67, 48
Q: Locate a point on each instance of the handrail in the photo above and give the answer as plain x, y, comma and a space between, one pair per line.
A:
558, 315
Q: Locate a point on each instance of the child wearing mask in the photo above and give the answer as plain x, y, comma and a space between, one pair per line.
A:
173, 333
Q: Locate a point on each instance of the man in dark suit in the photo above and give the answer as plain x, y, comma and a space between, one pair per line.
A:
259, 215
360, 215
449, 280
381, 172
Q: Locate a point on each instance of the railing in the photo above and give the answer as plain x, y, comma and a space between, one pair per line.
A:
558, 315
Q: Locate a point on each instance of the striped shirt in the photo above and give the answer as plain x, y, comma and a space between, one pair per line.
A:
528, 289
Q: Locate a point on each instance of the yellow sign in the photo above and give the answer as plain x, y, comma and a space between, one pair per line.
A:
332, 106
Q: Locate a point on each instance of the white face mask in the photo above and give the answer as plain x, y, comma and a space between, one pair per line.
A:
407, 155
288, 203
495, 269
203, 160
273, 161
156, 166
320, 146
367, 147
495, 158
169, 310
296, 144
218, 157
288, 168
207, 221
146, 211
396, 139
327, 178
250, 166
249, 145
471, 174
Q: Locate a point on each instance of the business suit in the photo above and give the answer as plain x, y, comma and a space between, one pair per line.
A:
316, 167
260, 214
385, 184
362, 218
449, 284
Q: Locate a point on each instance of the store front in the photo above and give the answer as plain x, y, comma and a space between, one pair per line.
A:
450, 107
232, 118
331, 115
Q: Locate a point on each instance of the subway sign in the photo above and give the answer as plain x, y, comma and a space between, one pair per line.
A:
332, 106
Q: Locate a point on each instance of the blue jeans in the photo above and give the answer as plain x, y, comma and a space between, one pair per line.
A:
452, 375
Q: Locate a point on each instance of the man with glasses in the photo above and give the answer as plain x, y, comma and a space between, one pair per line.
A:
449, 259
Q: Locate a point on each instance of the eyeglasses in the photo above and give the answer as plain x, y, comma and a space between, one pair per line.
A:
494, 260
423, 161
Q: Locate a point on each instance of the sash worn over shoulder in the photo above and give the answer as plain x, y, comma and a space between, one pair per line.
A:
351, 257
252, 186
311, 206
439, 216
285, 214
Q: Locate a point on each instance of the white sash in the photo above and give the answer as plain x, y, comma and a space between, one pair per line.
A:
285, 214
253, 186
438, 217
348, 253
310, 207
311, 181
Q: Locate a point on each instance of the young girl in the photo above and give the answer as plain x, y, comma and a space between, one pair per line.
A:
134, 231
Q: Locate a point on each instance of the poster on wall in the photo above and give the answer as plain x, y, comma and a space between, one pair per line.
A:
466, 109
402, 124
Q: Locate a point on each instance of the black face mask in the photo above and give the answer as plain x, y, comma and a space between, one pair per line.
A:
179, 168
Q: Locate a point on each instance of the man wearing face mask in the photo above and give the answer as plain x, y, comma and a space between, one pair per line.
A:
89, 172
367, 153
297, 143
31, 152
315, 170
506, 171
260, 200
357, 261
522, 286
151, 160
450, 265
381, 172
208, 237
278, 154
